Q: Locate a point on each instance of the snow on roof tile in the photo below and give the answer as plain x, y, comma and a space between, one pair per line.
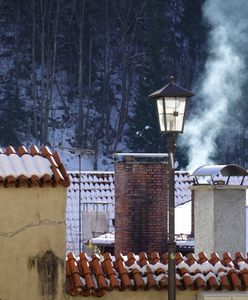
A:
96, 187
31, 168
95, 275
102, 184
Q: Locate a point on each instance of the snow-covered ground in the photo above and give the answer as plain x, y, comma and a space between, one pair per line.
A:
183, 218
182, 225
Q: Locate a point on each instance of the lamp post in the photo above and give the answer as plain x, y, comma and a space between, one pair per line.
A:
171, 101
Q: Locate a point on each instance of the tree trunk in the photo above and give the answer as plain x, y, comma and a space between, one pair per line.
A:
43, 100
50, 80
33, 75
80, 129
86, 129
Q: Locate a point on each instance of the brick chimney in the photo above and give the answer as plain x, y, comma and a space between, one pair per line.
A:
141, 202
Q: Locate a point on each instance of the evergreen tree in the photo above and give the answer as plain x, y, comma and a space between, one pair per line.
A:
143, 134
13, 118
168, 52
162, 60
128, 50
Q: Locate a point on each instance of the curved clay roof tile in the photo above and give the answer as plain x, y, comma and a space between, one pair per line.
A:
57, 157
155, 257
46, 179
122, 277
10, 180
45, 151
34, 150
22, 150
10, 150
31, 168
22, 180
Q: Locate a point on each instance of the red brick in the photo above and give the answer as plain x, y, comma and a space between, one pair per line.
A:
141, 207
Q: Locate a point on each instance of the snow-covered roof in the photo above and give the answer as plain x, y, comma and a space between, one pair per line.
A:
96, 187
144, 272
30, 168
97, 195
182, 183
104, 239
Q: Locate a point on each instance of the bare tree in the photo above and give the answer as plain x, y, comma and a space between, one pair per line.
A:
52, 55
48, 42
33, 73
128, 60
89, 95
79, 11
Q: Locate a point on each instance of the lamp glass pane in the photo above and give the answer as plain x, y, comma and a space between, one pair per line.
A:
175, 110
161, 113
160, 105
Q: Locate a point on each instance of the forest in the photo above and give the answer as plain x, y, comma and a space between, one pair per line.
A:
77, 73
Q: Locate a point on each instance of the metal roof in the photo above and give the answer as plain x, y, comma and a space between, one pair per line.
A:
219, 170
171, 90
224, 170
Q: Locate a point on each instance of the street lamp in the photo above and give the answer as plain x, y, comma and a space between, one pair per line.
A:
171, 101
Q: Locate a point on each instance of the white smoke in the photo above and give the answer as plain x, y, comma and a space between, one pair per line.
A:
222, 79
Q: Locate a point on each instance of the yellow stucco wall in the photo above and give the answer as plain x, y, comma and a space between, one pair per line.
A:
142, 295
32, 243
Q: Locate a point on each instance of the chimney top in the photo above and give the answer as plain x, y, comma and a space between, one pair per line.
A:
141, 157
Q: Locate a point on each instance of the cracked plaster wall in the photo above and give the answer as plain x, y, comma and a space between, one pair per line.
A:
32, 229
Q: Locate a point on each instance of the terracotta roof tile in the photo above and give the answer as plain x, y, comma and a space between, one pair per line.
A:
224, 282
86, 273
31, 168
74, 283
163, 282
34, 150
98, 274
9, 181
244, 276
22, 181
110, 272
123, 273
155, 257
22, 150
45, 151
34, 181
187, 281
9, 150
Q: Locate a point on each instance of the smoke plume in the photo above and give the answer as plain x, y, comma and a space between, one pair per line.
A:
222, 78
